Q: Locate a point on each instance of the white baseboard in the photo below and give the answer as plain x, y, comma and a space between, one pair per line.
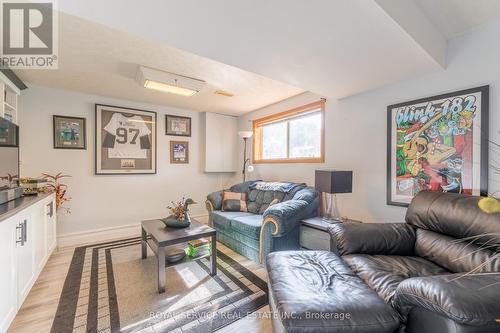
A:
106, 234
98, 235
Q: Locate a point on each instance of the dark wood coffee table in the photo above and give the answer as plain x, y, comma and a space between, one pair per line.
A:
157, 236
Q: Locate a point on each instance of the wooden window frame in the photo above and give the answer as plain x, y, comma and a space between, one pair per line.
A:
257, 135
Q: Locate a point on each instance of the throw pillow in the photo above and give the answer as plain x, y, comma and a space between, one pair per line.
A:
234, 202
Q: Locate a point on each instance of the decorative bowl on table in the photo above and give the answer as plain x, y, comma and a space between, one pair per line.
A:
174, 254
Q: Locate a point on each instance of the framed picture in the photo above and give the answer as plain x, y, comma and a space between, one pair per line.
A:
438, 144
125, 140
69, 132
177, 125
179, 152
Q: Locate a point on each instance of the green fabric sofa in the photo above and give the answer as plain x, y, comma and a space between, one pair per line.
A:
264, 228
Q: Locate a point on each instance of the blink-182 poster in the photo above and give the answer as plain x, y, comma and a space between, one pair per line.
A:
438, 144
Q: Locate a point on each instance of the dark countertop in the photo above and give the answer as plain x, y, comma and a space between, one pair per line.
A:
13, 207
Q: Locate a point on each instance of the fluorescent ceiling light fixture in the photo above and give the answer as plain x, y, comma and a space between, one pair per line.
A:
155, 85
168, 82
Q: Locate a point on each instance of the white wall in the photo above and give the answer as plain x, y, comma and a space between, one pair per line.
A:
355, 140
356, 126
109, 201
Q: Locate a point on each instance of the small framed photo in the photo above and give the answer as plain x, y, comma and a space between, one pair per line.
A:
70, 132
179, 152
177, 125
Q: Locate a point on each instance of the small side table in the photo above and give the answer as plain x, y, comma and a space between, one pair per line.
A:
157, 236
314, 234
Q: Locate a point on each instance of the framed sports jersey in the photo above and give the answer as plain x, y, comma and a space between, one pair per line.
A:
69, 132
125, 140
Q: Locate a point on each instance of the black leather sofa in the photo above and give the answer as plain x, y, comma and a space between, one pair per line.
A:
438, 272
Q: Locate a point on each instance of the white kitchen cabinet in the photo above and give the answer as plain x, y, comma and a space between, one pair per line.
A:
50, 227
221, 142
25, 254
27, 238
39, 243
8, 278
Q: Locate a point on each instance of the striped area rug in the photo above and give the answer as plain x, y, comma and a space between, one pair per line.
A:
109, 288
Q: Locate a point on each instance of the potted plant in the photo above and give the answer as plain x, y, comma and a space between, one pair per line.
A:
54, 184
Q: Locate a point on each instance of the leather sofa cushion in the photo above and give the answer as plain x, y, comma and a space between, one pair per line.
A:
466, 299
454, 215
384, 273
313, 289
455, 255
373, 238
422, 320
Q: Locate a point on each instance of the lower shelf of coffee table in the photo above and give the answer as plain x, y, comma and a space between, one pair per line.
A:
152, 246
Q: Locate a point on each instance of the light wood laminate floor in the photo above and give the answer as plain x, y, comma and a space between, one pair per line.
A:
38, 310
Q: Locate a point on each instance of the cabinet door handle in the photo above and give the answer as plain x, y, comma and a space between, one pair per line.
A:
25, 231
20, 240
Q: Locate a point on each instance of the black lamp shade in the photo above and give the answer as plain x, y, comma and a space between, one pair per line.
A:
332, 181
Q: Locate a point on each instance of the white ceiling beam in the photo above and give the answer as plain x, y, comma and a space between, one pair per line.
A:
418, 26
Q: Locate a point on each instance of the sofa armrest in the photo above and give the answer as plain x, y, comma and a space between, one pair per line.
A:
465, 299
281, 220
214, 201
286, 214
373, 238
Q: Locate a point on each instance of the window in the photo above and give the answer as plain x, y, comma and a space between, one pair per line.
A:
294, 136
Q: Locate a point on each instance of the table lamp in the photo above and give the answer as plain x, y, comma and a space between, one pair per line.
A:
329, 183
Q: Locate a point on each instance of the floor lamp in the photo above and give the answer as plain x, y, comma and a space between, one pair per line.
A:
245, 135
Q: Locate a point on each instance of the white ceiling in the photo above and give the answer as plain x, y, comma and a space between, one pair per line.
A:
99, 60
454, 17
335, 48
